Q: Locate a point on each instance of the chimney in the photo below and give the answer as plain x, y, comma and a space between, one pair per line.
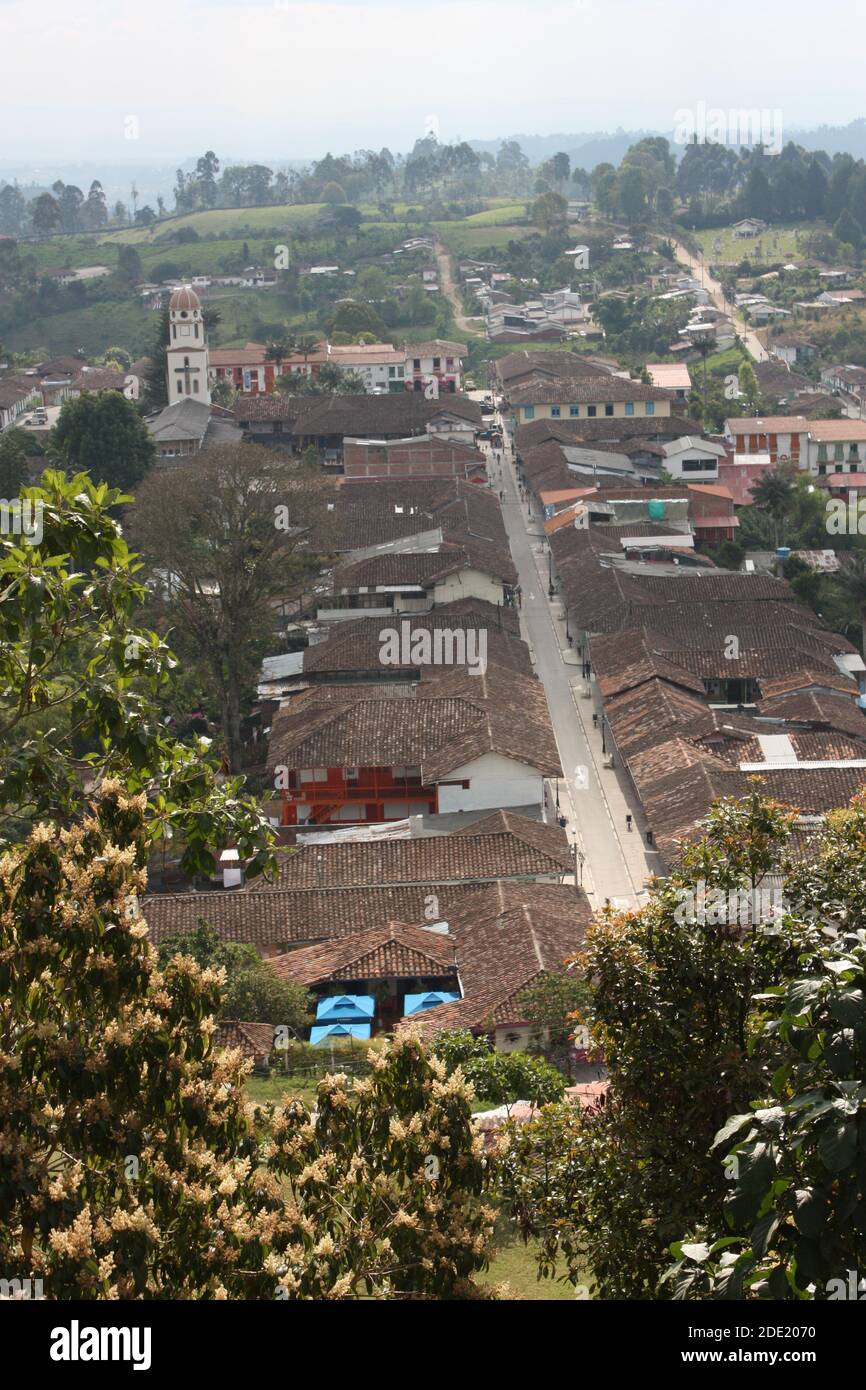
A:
232, 869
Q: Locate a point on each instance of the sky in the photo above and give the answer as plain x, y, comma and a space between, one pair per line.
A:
291, 79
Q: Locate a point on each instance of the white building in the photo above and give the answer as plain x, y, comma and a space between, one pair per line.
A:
187, 356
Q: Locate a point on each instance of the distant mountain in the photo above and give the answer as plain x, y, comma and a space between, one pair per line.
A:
584, 151
603, 147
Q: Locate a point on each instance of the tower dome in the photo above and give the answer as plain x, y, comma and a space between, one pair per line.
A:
184, 298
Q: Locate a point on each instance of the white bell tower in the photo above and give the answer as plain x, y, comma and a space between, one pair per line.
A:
187, 355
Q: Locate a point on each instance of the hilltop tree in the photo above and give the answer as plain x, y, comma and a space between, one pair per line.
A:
549, 211
848, 230
230, 532
102, 433
45, 214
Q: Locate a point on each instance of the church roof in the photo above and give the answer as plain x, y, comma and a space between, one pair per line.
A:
184, 298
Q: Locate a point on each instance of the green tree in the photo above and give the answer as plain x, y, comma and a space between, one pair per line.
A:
132, 1167
848, 230
45, 214
549, 211
257, 995
101, 433
499, 1077
129, 270
794, 1223
774, 494
555, 1003
237, 528
852, 578
612, 1189
13, 466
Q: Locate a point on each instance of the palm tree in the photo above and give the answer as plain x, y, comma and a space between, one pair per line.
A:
852, 577
774, 493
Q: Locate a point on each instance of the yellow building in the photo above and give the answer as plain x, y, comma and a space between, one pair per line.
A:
588, 399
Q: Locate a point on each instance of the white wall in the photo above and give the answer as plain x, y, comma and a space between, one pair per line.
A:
494, 783
468, 583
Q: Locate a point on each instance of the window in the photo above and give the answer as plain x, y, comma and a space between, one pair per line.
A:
608, 410
186, 361
529, 412
591, 411
838, 452
351, 774
555, 412
436, 362
650, 408
629, 407
574, 410
196, 330
195, 386
392, 372
822, 453
313, 774
416, 363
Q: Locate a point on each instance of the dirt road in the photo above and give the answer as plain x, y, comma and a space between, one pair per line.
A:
452, 294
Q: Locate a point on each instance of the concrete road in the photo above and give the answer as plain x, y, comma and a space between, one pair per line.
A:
592, 797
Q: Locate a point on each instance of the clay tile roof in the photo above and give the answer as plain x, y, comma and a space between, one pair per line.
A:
505, 938
392, 949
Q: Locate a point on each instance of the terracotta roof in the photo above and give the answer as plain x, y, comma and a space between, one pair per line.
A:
571, 390
393, 949
440, 726
275, 917
552, 362
254, 1039
356, 645
505, 938
613, 428
768, 424
520, 848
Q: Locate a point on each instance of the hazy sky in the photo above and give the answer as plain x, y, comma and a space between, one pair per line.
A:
292, 78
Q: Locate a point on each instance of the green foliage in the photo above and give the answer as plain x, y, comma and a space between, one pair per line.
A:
132, 1167
555, 1003
102, 434
257, 995
499, 1077
610, 1190
794, 1162
13, 466
79, 684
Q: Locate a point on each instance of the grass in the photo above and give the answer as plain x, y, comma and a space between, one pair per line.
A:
777, 244
462, 238
92, 328
514, 1264
223, 222
496, 217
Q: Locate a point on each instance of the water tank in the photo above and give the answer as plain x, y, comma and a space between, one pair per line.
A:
656, 509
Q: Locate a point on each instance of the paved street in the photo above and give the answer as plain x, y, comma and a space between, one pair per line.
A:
592, 797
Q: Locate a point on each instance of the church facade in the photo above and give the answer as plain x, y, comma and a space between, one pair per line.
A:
187, 363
